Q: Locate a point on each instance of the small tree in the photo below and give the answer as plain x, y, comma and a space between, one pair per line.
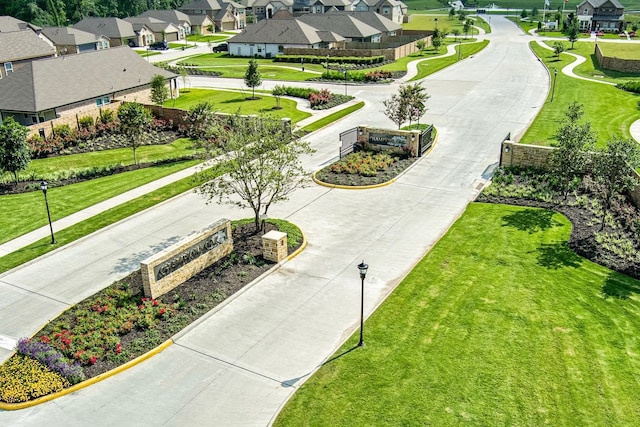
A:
612, 167
252, 77
184, 76
574, 142
462, 15
572, 33
524, 13
421, 44
134, 120
278, 91
468, 24
159, 91
266, 167
452, 13
414, 97
436, 42
456, 34
14, 150
396, 110
200, 122
558, 48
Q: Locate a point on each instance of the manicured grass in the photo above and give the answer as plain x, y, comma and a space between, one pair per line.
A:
500, 324
591, 69
145, 53
66, 200
105, 218
41, 168
213, 38
235, 67
427, 22
332, 117
463, 50
611, 111
236, 102
181, 45
620, 50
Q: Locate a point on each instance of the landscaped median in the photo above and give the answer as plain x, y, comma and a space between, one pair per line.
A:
119, 326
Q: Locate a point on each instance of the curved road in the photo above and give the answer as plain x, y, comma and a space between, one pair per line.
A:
239, 366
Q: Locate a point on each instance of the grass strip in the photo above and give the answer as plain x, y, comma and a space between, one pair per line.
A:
332, 117
108, 217
499, 324
463, 50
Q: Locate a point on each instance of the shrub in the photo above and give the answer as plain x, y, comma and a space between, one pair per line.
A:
62, 131
630, 86
52, 359
85, 122
320, 98
362, 163
23, 379
41, 147
106, 117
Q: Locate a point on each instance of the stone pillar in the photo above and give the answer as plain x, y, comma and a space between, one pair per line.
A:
274, 246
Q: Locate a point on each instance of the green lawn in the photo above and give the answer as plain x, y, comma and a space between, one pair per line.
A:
69, 199
427, 22
145, 53
236, 102
463, 50
611, 111
181, 45
590, 67
332, 117
213, 38
45, 168
620, 50
499, 325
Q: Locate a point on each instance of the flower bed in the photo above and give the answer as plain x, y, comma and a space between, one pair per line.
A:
363, 168
119, 324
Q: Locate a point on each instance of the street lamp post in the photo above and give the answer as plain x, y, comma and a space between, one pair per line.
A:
459, 49
363, 273
553, 89
43, 187
436, 22
345, 82
327, 67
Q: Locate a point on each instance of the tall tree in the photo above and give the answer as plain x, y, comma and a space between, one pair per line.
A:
266, 166
574, 142
612, 168
14, 150
572, 33
252, 77
134, 120
159, 91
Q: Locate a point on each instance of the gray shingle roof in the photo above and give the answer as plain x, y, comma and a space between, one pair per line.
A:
202, 5
333, 2
48, 83
598, 3
9, 23
155, 25
375, 20
282, 31
259, 3
343, 24
114, 28
174, 16
69, 36
199, 19
18, 45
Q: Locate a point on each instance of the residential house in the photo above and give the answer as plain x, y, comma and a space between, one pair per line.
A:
344, 24
386, 26
394, 10
66, 86
257, 10
162, 31
270, 37
201, 24
324, 6
19, 48
68, 40
226, 15
600, 15
119, 31
177, 18
9, 24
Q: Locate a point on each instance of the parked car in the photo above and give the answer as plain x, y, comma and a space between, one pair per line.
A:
159, 46
222, 47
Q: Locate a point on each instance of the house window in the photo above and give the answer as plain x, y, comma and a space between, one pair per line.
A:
586, 11
280, 48
8, 67
104, 100
386, 10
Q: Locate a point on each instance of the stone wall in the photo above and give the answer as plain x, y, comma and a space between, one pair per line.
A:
617, 64
176, 264
371, 136
537, 156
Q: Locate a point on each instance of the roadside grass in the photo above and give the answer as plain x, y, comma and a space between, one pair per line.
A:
501, 325
66, 200
465, 50
42, 168
213, 38
427, 22
145, 53
105, 218
181, 45
416, 6
332, 117
236, 102
611, 111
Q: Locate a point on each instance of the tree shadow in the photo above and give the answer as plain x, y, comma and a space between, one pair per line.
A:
557, 255
128, 264
292, 382
619, 286
530, 220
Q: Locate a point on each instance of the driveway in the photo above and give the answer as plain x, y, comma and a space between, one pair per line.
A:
239, 366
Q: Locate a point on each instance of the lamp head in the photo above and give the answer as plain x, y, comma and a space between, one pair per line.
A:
363, 269
43, 185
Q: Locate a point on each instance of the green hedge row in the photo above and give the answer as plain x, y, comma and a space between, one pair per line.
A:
631, 86
313, 59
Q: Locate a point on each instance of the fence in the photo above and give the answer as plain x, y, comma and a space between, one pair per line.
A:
348, 141
426, 140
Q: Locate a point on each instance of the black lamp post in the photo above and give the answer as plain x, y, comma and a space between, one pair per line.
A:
553, 88
363, 273
436, 21
459, 49
43, 187
327, 63
345, 82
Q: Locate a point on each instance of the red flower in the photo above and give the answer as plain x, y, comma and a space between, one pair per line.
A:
155, 303
93, 360
118, 348
162, 311
45, 339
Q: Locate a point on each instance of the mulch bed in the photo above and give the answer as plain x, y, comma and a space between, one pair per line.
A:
198, 295
325, 175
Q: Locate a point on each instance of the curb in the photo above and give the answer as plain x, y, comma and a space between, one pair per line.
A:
86, 383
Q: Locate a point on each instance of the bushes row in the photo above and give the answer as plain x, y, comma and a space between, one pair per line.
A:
359, 76
319, 99
314, 59
630, 86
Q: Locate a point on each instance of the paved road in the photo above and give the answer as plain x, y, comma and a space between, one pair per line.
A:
240, 365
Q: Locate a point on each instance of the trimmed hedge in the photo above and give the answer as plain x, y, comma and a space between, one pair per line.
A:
631, 86
314, 59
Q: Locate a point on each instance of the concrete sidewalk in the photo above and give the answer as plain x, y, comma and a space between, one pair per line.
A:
239, 366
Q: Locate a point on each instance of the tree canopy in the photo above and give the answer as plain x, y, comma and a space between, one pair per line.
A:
14, 150
134, 120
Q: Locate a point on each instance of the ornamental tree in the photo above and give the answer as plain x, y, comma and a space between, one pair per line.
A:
252, 77
14, 150
159, 91
134, 120
200, 122
265, 165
